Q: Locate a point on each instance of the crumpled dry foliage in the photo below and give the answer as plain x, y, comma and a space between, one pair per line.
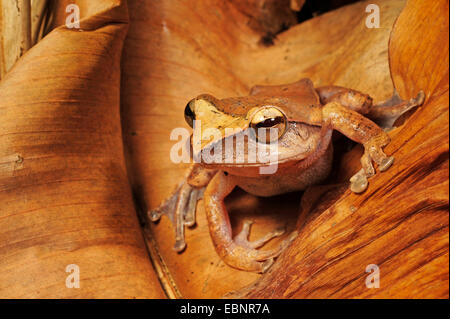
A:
64, 191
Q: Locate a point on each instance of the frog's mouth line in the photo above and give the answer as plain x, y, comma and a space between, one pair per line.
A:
291, 148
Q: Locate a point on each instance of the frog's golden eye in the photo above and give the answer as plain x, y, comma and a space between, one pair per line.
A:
189, 114
269, 124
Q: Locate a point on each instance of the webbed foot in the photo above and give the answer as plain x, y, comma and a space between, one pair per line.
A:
372, 152
243, 254
180, 208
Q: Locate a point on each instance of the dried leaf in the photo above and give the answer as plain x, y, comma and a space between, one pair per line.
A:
21, 26
64, 192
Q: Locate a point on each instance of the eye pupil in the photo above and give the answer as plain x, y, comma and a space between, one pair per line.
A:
269, 124
189, 116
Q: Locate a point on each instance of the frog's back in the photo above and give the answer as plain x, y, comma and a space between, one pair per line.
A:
303, 89
295, 99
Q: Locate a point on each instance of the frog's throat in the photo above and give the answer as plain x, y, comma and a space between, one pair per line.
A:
276, 153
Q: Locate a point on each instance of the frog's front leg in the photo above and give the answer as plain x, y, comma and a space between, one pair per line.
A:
181, 206
364, 131
384, 113
238, 253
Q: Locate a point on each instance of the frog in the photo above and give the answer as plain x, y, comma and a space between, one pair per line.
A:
303, 119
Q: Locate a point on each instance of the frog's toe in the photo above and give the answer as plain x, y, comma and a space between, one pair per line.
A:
185, 213
359, 182
386, 163
168, 207
243, 254
419, 99
250, 259
180, 245
154, 215
242, 238
256, 266
375, 152
267, 264
191, 208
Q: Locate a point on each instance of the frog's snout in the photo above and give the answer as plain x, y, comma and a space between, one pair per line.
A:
189, 114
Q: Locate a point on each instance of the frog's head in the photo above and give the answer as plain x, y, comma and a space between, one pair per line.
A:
230, 132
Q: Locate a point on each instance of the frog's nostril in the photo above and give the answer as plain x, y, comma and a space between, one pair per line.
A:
189, 115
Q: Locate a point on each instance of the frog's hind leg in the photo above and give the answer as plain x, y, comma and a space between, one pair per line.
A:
386, 113
238, 253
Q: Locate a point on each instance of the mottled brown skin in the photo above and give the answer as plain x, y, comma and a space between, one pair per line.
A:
304, 158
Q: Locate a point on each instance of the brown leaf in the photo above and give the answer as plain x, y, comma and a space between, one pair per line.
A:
64, 192
267, 17
419, 48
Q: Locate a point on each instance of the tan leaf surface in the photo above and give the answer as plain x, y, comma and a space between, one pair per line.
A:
64, 193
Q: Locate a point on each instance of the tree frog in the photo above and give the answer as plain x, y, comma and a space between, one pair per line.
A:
304, 118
